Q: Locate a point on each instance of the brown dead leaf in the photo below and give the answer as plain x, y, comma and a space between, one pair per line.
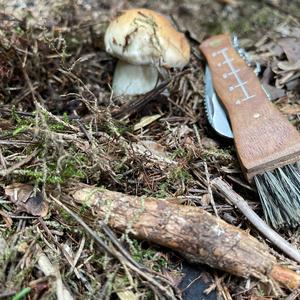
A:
154, 151
273, 92
6, 218
292, 109
289, 66
18, 192
209, 143
22, 247
271, 49
173, 276
287, 30
293, 85
128, 295
205, 200
291, 48
145, 121
5, 124
26, 199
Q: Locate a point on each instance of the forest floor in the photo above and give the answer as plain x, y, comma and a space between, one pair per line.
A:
61, 128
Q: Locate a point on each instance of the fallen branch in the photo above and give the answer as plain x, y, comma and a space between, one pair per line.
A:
196, 234
266, 230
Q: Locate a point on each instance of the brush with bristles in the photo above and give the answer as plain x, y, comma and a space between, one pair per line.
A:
268, 146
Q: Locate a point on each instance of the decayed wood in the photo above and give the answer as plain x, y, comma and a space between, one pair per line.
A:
196, 234
264, 138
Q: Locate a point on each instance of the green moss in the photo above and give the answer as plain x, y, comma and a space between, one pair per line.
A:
216, 153
162, 191
71, 167
178, 153
179, 173
20, 129
263, 17
22, 123
147, 256
116, 128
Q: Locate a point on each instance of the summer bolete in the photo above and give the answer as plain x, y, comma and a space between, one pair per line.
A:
143, 40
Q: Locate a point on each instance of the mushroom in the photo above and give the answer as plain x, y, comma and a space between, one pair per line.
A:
143, 40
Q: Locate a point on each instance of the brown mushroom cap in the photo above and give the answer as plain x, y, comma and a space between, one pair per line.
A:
142, 37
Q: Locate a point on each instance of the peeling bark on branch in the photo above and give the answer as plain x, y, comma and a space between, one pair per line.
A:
196, 234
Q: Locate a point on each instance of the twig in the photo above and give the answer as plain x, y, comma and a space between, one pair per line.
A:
134, 106
84, 131
16, 142
294, 295
27, 159
197, 134
257, 222
57, 119
78, 254
21, 113
211, 197
6, 294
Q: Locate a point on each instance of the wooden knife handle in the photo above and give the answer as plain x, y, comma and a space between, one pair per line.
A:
264, 138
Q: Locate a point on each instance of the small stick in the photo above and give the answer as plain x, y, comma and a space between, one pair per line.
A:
27, 159
211, 197
130, 108
242, 205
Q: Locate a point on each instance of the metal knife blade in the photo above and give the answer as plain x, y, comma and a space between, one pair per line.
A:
214, 109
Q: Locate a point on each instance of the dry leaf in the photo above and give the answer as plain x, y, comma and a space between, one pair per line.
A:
49, 269
22, 247
273, 92
5, 124
293, 85
209, 143
289, 66
287, 30
18, 192
7, 219
292, 109
291, 48
145, 121
128, 295
154, 151
26, 199
205, 200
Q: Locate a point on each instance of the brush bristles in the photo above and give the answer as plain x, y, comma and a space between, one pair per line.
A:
279, 192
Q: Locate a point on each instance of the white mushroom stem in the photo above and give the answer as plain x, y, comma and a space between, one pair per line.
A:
131, 79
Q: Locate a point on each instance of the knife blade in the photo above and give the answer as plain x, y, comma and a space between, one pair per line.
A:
215, 111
